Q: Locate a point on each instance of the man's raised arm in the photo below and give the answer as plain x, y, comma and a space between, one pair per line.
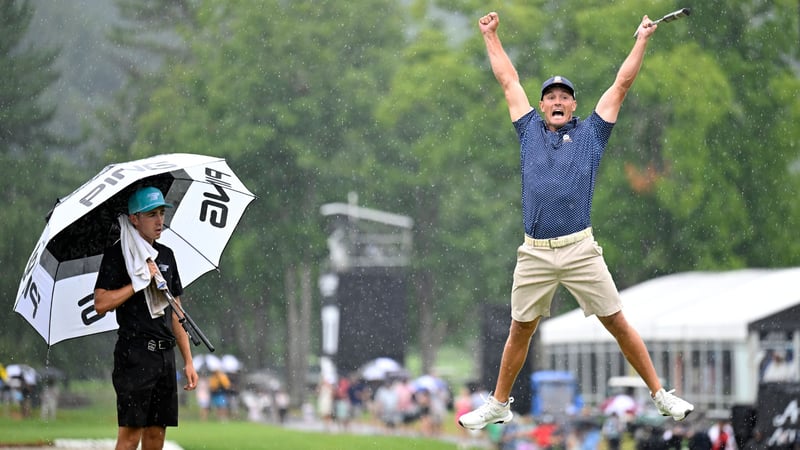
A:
504, 71
610, 103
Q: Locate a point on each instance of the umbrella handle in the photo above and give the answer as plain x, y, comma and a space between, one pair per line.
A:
194, 332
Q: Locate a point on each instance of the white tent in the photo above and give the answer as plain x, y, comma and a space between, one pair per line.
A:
689, 306
695, 325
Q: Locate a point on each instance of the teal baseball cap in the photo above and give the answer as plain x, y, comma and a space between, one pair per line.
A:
146, 199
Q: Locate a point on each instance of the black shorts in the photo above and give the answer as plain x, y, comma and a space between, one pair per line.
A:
146, 384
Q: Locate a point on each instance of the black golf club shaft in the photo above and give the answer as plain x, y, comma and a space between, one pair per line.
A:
191, 328
194, 332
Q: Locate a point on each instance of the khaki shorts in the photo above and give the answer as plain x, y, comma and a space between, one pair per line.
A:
579, 267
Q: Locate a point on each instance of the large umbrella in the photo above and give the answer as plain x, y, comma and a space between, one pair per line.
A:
622, 405
206, 362
381, 369
429, 383
263, 380
22, 372
230, 364
56, 292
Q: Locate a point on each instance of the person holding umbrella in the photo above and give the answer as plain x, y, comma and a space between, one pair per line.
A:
144, 374
560, 156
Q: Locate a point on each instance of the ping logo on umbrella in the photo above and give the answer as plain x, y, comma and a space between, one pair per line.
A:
31, 291
118, 175
215, 210
89, 315
55, 294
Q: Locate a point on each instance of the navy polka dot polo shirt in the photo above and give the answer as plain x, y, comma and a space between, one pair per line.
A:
559, 169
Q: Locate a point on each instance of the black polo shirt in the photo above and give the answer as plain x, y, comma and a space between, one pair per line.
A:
133, 316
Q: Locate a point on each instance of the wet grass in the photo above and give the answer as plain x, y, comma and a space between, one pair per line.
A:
98, 421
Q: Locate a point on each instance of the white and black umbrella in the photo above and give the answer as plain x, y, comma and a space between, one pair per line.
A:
23, 372
230, 364
622, 405
56, 294
381, 369
207, 362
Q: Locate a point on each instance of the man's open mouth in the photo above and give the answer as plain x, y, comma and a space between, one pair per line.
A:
558, 113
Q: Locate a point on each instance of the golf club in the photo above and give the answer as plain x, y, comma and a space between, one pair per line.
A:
670, 17
195, 333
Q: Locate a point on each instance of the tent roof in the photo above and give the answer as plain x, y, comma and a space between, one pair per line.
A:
689, 306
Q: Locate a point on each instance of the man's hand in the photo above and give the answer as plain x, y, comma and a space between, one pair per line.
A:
152, 266
191, 376
489, 23
646, 28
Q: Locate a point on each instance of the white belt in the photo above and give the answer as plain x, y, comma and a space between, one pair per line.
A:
560, 241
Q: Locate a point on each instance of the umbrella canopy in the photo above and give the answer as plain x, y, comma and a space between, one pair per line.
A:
429, 383
231, 364
206, 362
263, 380
622, 405
381, 369
23, 372
56, 294
51, 374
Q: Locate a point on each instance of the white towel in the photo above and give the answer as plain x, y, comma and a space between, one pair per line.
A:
136, 252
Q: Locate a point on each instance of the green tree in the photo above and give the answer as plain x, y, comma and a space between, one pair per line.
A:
675, 191
30, 178
24, 74
762, 135
696, 186
681, 187
451, 180
310, 100
287, 99
148, 39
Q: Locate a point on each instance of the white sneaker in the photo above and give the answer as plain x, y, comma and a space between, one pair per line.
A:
490, 412
671, 405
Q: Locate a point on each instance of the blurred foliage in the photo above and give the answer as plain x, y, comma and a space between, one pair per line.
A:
30, 177
309, 100
25, 73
